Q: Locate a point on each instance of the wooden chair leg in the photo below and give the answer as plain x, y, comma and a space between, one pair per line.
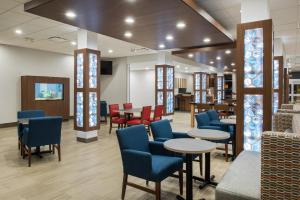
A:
226, 152
118, 126
59, 152
29, 156
157, 190
180, 172
110, 127
125, 177
201, 164
50, 147
147, 182
23, 150
53, 149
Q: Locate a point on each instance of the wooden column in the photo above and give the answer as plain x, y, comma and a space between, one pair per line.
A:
87, 94
277, 82
254, 83
164, 88
286, 85
200, 85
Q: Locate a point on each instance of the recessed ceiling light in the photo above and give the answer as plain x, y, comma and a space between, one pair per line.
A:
147, 68
232, 64
228, 51
186, 68
211, 62
129, 20
18, 31
218, 58
161, 46
70, 14
178, 66
110, 51
206, 40
234, 70
225, 67
128, 34
191, 55
169, 37
180, 25
73, 43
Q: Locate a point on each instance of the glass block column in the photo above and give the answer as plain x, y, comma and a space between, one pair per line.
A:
164, 87
200, 87
87, 94
219, 89
254, 83
278, 82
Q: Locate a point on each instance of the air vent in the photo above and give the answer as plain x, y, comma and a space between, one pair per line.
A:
57, 39
140, 50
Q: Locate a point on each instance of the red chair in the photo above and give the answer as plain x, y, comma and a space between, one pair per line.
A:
145, 118
128, 106
158, 113
115, 117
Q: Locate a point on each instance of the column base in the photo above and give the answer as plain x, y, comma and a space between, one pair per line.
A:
87, 137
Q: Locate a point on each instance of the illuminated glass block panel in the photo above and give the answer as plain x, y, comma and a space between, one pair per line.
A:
204, 97
253, 121
92, 70
160, 78
276, 75
253, 58
160, 98
219, 97
92, 109
170, 78
79, 108
170, 102
197, 97
197, 81
275, 101
204, 81
79, 66
219, 86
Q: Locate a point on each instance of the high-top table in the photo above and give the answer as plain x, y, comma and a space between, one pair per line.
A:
212, 135
189, 147
232, 121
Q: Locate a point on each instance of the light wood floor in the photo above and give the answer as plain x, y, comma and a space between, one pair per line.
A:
87, 171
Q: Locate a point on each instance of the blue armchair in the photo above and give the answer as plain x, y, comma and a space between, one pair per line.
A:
162, 131
41, 131
145, 159
203, 122
26, 114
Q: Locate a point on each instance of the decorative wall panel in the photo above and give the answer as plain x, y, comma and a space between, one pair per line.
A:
200, 87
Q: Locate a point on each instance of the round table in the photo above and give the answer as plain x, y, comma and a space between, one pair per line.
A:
231, 121
189, 147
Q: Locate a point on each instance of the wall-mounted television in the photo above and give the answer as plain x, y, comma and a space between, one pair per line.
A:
49, 91
106, 67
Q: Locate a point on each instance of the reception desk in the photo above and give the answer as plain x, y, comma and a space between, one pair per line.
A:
182, 102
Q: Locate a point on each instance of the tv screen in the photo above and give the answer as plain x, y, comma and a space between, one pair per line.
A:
106, 67
48, 91
182, 90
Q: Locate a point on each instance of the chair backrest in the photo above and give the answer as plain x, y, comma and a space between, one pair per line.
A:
202, 119
103, 108
127, 106
161, 129
44, 131
114, 110
213, 115
30, 114
133, 138
221, 107
203, 107
158, 112
146, 113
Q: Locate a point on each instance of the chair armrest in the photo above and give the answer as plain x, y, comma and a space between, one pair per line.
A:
210, 127
161, 139
24, 135
180, 135
137, 163
157, 148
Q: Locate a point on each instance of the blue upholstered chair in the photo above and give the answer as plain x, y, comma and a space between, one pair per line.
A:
41, 131
162, 131
103, 111
27, 114
203, 122
145, 159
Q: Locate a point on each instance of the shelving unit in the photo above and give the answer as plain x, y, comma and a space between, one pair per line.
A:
200, 84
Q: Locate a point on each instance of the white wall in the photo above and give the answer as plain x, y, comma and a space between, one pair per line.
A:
142, 87
16, 62
189, 81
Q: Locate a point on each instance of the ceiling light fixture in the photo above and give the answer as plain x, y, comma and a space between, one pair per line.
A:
110, 51
147, 68
186, 68
218, 58
191, 55
178, 66
70, 14
169, 37
228, 51
19, 31
181, 25
232, 64
161, 46
129, 20
206, 40
211, 62
73, 43
128, 34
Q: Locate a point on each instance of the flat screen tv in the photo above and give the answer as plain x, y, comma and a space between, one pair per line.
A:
106, 67
49, 91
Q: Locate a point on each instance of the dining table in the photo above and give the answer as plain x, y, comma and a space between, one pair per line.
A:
211, 135
189, 147
129, 112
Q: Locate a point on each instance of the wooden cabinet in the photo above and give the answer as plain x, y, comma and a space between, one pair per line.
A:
182, 102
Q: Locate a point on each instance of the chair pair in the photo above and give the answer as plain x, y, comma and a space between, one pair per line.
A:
146, 160
211, 120
162, 131
40, 132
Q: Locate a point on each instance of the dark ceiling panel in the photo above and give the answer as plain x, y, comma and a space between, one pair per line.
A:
154, 19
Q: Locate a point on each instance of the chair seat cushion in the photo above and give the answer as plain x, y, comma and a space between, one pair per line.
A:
163, 166
137, 121
118, 120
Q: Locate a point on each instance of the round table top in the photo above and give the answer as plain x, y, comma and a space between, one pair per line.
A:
208, 134
189, 146
228, 121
